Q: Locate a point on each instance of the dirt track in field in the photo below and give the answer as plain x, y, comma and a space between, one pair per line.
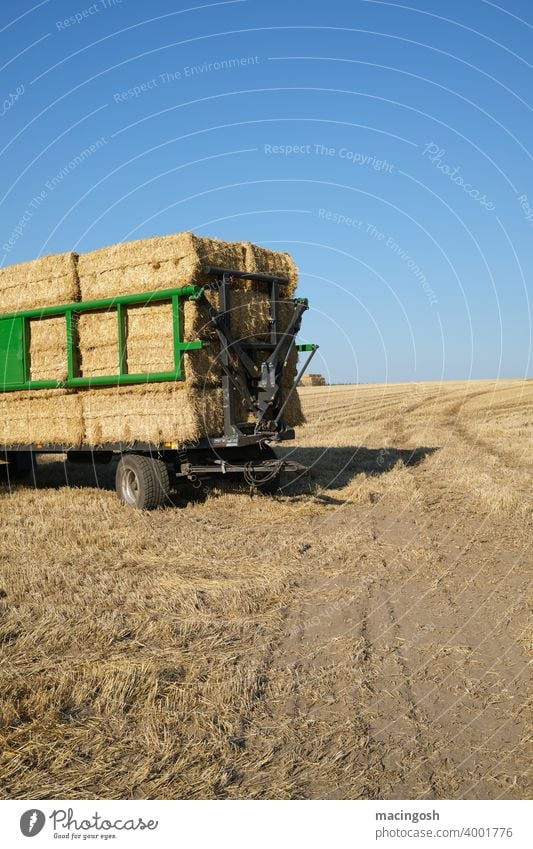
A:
419, 656
362, 635
420, 651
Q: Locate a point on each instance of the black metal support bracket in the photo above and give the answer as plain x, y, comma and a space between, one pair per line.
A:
252, 370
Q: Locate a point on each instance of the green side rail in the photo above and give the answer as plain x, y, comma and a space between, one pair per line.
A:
15, 341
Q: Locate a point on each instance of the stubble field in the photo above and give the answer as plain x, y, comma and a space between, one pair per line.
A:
363, 634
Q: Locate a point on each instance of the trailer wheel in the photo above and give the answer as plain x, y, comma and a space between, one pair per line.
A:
142, 482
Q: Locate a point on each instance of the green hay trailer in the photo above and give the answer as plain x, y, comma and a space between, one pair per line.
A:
252, 373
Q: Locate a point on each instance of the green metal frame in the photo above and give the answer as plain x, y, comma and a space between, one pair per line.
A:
15, 341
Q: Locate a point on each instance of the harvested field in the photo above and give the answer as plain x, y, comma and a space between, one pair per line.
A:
364, 634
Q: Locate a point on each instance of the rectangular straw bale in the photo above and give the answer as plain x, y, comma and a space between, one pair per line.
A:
163, 262
265, 261
150, 338
154, 413
293, 413
250, 314
42, 282
98, 343
48, 348
313, 380
41, 416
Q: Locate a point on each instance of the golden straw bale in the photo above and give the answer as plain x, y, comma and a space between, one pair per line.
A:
163, 262
265, 261
150, 338
205, 363
41, 416
181, 411
48, 348
155, 413
42, 282
313, 380
98, 343
293, 413
250, 314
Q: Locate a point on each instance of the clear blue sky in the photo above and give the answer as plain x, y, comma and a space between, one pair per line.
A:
386, 145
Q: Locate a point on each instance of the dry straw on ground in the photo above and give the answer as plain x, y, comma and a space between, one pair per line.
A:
360, 635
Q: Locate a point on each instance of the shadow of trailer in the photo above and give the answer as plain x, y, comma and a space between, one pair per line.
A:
252, 372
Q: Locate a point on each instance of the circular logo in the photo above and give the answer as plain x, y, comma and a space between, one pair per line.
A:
32, 822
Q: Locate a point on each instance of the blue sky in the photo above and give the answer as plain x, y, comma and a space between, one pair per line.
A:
387, 146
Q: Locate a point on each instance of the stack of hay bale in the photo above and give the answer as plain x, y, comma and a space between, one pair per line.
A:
152, 412
41, 415
313, 380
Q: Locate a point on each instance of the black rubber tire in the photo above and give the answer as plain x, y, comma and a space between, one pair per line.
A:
142, 482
